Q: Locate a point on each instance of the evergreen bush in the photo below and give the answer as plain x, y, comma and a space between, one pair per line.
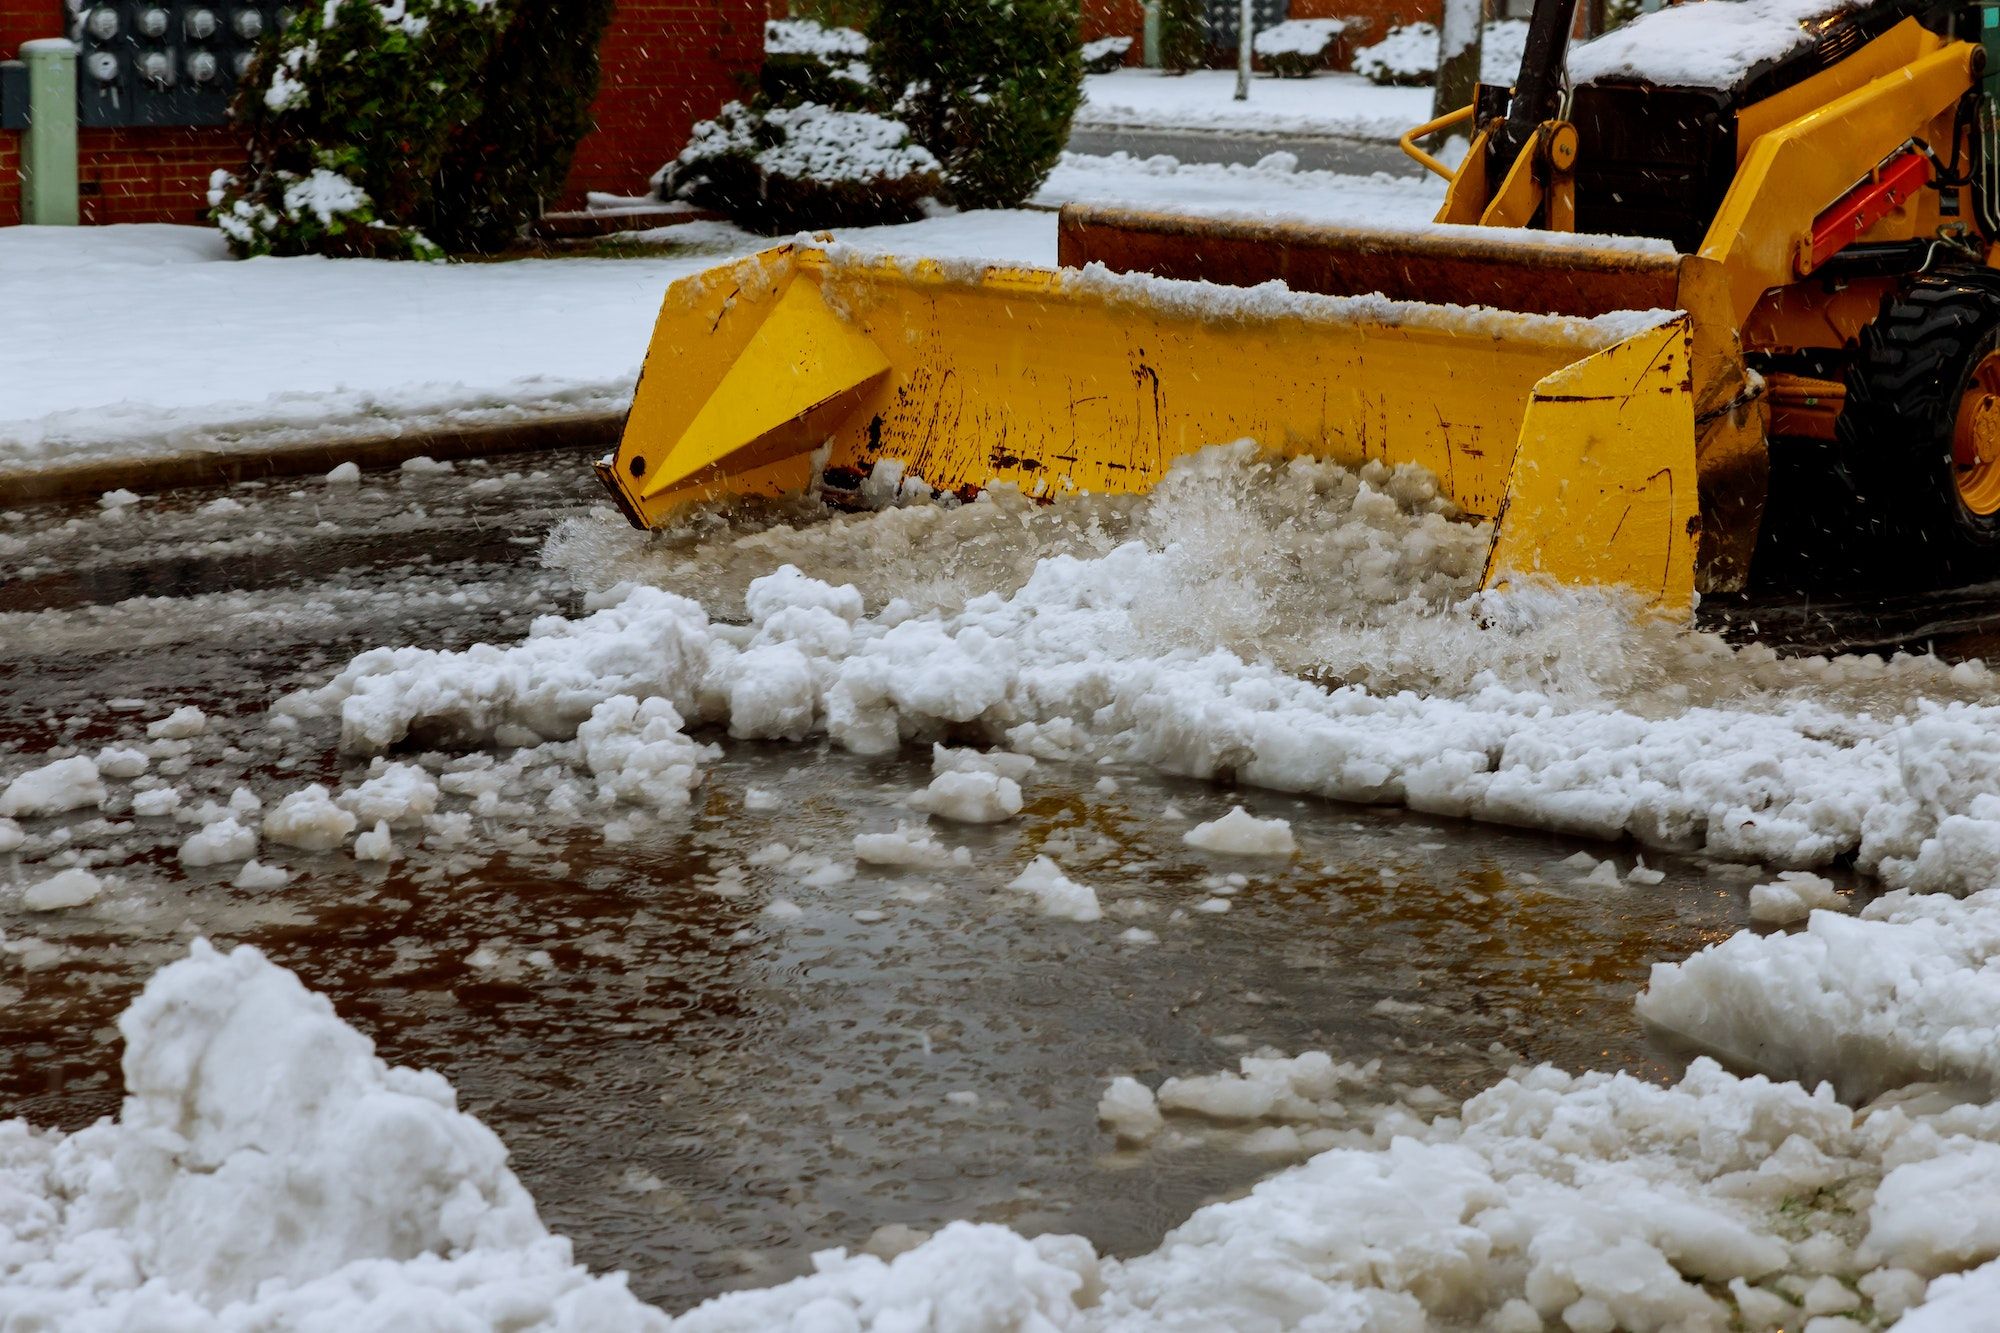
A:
351, 112
508, 163
1183, 35
989, 86
805, 61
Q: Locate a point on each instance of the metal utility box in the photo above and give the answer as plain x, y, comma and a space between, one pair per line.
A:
166, 62
13, 95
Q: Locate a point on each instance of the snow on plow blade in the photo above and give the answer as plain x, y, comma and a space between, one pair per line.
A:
1575, 435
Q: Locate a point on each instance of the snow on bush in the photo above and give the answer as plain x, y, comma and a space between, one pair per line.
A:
805, 61
790, 168
1105, 54
1702, 45
344, 158
1408, 55
1298, 47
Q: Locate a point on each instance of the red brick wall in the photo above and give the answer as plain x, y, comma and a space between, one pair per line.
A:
667, 64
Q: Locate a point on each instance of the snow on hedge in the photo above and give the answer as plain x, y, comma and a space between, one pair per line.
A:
1705, 44
804, 37
1408, 55
1299, 37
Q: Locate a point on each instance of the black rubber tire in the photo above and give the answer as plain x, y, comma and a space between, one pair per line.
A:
1889, 479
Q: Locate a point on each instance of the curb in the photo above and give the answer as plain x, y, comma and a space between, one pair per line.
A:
597, 430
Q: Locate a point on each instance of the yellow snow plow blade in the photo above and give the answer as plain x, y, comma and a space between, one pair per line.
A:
1575, 435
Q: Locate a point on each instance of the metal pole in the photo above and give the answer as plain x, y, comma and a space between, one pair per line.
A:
1245, 31
48, 149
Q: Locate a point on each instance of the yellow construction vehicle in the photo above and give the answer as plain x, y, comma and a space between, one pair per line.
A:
1649, 304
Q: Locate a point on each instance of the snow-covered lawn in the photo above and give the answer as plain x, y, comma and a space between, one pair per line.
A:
127, 342
1341, 105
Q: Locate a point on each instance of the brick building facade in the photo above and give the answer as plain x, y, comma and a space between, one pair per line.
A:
667, 64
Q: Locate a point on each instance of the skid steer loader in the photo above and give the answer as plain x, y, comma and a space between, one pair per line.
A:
1650, 302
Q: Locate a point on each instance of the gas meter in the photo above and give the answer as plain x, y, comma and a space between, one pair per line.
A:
166, 62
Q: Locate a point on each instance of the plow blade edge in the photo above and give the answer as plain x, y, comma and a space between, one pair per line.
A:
1576, 436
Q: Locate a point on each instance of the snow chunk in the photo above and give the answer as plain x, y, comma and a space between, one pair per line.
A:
256, 875
69, 888
181, 724
157, 803
344, 474
1057, 894
376, 844
11, 836
117, 499
1002, 763
53, 789
309, 819
223, 840
117, 761
398, 794
1129, 1108
910, 845
970, 797
640, 755
1795, 895
1240, 833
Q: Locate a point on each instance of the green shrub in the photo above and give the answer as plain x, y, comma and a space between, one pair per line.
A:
350, 114
806, 61
1183, 35
786, 169
507, 164
989, 86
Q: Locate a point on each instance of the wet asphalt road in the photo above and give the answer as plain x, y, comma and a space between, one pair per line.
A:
698, 1090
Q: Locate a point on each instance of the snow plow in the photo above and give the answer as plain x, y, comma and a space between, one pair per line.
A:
1733, 256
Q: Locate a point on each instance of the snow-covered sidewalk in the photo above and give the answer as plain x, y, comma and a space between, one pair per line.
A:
271, 352
1344, 106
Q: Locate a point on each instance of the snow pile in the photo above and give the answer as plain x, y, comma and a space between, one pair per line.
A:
268, 1171
1597, 1202
221, 840
1708, 44
181, 724
1057, 894
1130, 1109
1240, 833
1908, 991
640, 755
1299, 628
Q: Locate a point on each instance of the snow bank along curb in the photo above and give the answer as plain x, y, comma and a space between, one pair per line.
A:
593, 430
